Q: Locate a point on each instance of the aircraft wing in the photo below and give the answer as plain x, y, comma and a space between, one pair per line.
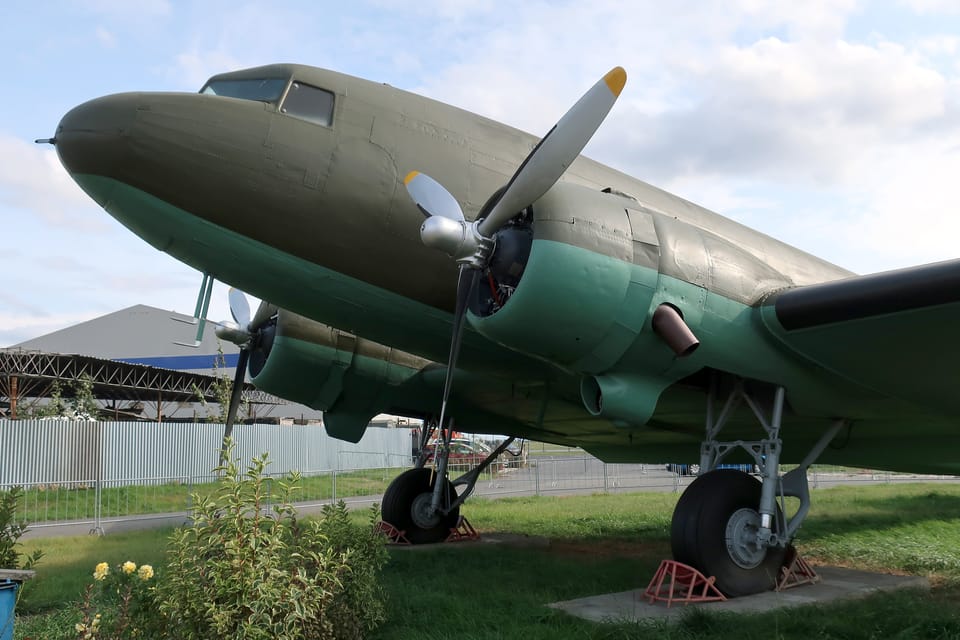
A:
891, 332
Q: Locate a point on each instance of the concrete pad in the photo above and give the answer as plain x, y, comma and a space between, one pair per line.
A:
836, 584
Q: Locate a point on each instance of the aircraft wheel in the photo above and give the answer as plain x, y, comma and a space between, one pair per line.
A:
406, 505
712, 530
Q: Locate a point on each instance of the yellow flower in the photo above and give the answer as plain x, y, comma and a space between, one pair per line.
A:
129, 567
80, 627
100, 571
145, 572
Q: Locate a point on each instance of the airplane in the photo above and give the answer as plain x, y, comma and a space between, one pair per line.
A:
425, 261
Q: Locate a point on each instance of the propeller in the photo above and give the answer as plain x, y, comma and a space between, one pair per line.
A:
247, 334
470, 244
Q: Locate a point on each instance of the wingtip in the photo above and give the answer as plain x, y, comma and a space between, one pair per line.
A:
410, 176
616, 79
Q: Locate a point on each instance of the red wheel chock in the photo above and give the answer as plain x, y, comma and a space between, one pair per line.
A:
795, 571
463, 531
675, 582
393, 535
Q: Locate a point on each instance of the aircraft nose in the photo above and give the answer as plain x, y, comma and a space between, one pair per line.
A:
93, 137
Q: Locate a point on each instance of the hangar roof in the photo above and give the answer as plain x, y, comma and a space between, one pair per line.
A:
141, 335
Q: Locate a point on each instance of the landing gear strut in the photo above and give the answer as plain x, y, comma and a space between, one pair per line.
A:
423, 502
729, 525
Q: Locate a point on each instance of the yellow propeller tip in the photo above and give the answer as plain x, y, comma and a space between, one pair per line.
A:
615, 80
410, 176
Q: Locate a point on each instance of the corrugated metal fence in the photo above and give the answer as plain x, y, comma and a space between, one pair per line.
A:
55, 451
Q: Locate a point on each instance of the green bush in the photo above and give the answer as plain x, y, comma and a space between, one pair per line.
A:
10, 532
248, 572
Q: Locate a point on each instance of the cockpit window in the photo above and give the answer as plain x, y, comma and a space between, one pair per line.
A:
261, 89
310, 103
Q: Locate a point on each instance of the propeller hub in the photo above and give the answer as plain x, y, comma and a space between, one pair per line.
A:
459, 239
232, 333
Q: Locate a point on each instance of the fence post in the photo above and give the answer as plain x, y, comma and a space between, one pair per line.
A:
676, 482
537, 477
97, 498
98, 491
606, 488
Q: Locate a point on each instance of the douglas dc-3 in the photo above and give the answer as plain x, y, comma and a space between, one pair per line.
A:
535, 294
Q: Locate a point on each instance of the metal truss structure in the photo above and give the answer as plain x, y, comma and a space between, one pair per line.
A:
31, 374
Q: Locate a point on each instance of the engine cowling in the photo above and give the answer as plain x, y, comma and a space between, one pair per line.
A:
582, 290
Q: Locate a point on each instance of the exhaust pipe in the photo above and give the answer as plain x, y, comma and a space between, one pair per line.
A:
669, 325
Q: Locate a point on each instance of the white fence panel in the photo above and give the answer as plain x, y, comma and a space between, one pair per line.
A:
57, 451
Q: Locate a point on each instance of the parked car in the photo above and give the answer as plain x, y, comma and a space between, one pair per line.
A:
694, 469
465, 454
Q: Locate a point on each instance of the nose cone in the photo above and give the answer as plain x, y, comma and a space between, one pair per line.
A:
93, 137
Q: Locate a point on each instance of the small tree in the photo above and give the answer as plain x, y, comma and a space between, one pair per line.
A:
84, 404
222, 388
54, 408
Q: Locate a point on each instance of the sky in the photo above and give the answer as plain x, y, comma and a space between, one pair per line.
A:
833, 125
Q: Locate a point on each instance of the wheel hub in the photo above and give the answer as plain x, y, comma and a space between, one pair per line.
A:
423, 513
742, 542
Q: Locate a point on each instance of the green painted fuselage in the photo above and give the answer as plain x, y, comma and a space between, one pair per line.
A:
314, 218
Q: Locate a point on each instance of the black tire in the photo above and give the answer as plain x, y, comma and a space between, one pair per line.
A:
683, 527
397, 507
699, 529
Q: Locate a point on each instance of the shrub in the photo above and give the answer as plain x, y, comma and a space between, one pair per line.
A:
243, 571
10, 532
118, 605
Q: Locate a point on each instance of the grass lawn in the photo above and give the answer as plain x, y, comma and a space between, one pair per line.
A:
599, 544
78, 501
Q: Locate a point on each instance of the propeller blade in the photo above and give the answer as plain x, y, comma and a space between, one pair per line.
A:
556, 151
431, 197
236, 393
239, 308
466, 284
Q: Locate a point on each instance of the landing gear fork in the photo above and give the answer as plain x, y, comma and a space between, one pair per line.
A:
727, 524
766, 456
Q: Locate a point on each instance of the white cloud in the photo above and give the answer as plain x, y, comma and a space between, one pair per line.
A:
106, 38
24, 325
194, 67
126, 10
33, 180
926, 7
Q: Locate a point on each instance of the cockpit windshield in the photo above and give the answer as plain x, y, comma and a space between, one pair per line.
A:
261, 89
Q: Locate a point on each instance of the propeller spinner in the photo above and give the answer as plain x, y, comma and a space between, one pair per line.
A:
471, 243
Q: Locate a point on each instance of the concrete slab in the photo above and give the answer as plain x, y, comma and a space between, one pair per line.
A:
836, 584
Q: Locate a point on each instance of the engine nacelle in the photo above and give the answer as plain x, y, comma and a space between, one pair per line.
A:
585, 287
324, 368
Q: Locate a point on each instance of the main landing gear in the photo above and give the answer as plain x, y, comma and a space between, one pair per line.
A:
727, 523
423, 502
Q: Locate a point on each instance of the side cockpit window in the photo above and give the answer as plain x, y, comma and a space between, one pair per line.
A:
309, 103
260, 89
